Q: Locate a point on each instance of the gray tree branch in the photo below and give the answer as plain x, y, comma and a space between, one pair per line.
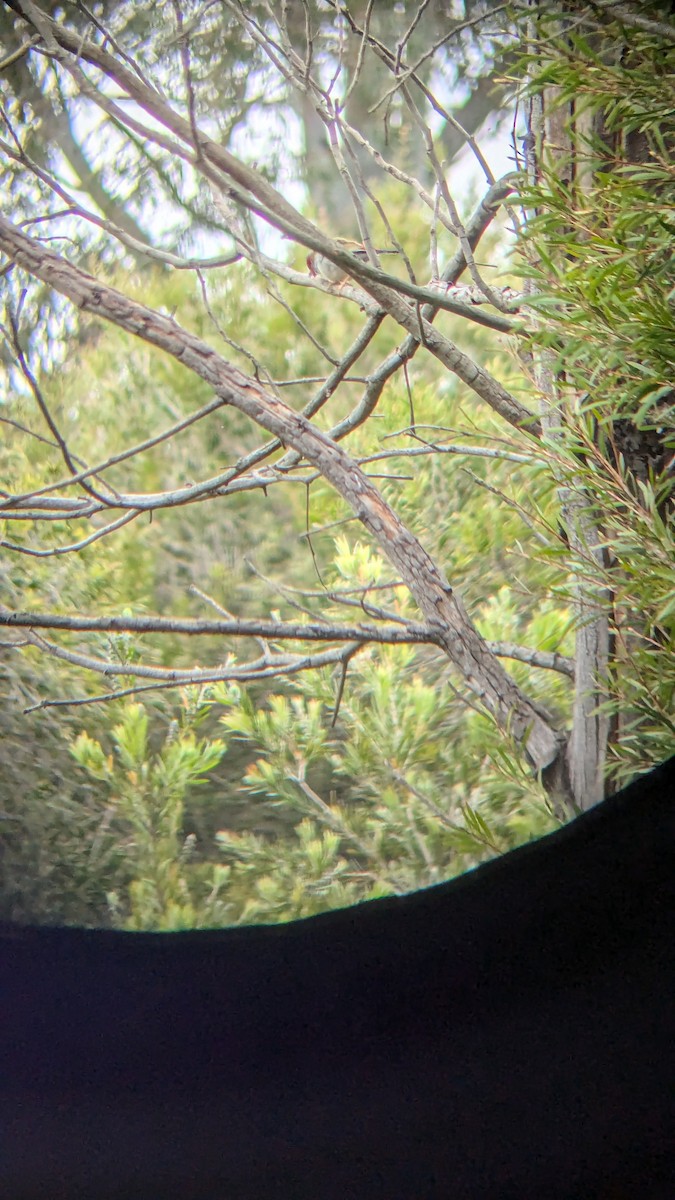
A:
441, 607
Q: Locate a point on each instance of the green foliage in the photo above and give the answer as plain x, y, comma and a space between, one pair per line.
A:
328, 795
144, 794
398, 794
598, 246
409, 786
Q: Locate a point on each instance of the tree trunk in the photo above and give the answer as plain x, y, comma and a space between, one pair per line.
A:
555, 133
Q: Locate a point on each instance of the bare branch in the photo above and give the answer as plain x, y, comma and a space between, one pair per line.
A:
480, 669
246, 185
276, 631
268, 667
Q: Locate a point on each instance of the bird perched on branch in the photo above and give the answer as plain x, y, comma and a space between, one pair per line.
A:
318, 264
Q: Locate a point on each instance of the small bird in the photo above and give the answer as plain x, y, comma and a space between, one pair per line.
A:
318, 264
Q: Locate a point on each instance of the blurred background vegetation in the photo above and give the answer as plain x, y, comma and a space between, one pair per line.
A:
222, 804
